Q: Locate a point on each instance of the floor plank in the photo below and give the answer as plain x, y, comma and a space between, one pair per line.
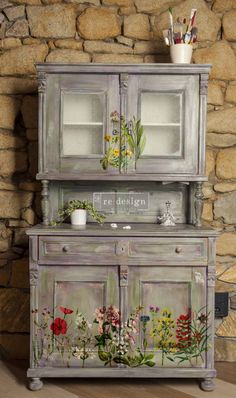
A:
14, 384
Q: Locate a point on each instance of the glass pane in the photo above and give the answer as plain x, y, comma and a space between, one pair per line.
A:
158, 108
82, 108
82, 140
82, 124
162, 141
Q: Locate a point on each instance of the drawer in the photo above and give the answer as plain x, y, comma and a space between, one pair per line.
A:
168, 251
77, 250
130, 251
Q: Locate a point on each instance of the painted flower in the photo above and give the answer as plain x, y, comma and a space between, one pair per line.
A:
202, 318
59, 326
115, 117
113, 316
107, 138
65, 311
116, 152
128, 152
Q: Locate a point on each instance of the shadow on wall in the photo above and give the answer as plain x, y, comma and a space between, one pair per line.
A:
19, 209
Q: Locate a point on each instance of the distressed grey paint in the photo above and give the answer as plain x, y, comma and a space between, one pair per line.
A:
130, 263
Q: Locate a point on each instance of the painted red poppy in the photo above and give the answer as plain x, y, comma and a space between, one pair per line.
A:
59, 326
65, 311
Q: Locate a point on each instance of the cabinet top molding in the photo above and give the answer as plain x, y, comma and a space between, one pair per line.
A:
179, 69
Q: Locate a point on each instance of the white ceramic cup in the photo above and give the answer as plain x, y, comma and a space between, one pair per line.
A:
78, 217
181, 53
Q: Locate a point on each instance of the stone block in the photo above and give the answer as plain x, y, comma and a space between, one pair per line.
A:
125, 40
13, 13
225, 208
225, 349
222, 121
98, 23
7, 186
20, 273
9, 141
9, 108
207, 213
226, 245
216, 55
228, 326
233, 302
69, 44
20, 28
12, 202
10, 42
220, 140
68, 56
14, 310
31, 40
230, 95
221, 6
57, 20
17, 85
207, 22
222, 287
137, 26
120, 3
30, 2
5, 239
153, 6
21, 60
226, 163
94, 2
117, 58
29, 110
150, 47
12, 162
229, 22
229, 275
215, 94
34, 186
98, 46
225, 186
127, 10
15, 345
29, 216
210, 162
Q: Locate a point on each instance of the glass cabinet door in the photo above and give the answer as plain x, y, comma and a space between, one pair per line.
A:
82, 123
78, 120
168, 110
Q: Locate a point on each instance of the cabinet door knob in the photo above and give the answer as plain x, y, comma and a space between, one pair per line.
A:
178, 249
65, 249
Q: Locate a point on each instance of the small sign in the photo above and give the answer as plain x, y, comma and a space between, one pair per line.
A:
121, 202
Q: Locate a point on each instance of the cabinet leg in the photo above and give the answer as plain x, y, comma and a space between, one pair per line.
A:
208, 384
35, 384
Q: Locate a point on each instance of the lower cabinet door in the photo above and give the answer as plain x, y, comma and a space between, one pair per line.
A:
167, 307
73, 311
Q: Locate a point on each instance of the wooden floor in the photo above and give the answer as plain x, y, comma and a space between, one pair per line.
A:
13, 384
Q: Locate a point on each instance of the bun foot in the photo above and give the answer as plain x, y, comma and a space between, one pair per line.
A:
208, 384
35, 384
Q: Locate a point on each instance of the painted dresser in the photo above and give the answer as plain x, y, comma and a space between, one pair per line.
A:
122, 302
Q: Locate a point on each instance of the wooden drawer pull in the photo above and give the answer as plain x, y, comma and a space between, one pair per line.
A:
65, 249
178, 249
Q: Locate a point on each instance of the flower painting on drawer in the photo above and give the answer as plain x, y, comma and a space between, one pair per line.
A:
65, 337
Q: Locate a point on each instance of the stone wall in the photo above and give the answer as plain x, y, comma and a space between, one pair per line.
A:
105, 31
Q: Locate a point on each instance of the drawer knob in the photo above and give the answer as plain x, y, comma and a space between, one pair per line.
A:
178, 249
65, 249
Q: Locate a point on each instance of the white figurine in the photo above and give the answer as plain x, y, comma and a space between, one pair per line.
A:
167, 219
